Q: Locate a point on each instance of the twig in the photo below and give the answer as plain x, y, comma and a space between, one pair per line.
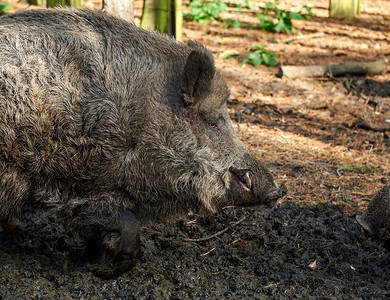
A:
304, 36
217, 233
208, 252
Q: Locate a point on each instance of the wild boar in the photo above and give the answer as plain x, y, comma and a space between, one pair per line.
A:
378, 212
108, 125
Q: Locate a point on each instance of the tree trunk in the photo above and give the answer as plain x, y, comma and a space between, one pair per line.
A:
54, 3
344, 8
164, 15
156, 14
72, 3
75, 3
178, 20
37, 2
120, 8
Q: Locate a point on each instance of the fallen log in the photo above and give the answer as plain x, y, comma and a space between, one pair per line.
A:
363, 124
356, 68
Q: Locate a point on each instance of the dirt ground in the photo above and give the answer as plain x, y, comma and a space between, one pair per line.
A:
310, 246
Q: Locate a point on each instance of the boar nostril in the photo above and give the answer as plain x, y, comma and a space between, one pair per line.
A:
281, 191
277, 193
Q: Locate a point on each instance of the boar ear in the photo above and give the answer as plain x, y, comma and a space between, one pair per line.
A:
198, 73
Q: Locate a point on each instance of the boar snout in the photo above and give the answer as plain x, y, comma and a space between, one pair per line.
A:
275, 194
254, 186
378, 212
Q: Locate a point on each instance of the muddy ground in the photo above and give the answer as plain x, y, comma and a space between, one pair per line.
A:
310, 246
294, 251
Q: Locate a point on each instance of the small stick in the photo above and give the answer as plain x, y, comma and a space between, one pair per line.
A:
217, 233
208, 252
305, 36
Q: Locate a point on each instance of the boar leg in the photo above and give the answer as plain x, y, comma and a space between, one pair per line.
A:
112, 238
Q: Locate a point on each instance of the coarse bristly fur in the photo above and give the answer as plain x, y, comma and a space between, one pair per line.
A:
377, 214
108, 125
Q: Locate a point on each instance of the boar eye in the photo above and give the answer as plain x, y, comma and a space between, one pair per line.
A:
213, 124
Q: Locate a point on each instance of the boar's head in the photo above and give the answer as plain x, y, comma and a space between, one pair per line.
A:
243, 179
188, 154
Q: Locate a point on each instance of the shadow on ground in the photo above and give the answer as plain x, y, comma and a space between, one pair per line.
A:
293, 251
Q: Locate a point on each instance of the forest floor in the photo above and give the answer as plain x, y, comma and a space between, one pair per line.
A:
309, 246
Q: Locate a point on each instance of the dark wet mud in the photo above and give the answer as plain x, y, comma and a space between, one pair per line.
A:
293, 251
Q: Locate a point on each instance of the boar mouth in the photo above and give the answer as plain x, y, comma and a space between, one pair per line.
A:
243, 177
